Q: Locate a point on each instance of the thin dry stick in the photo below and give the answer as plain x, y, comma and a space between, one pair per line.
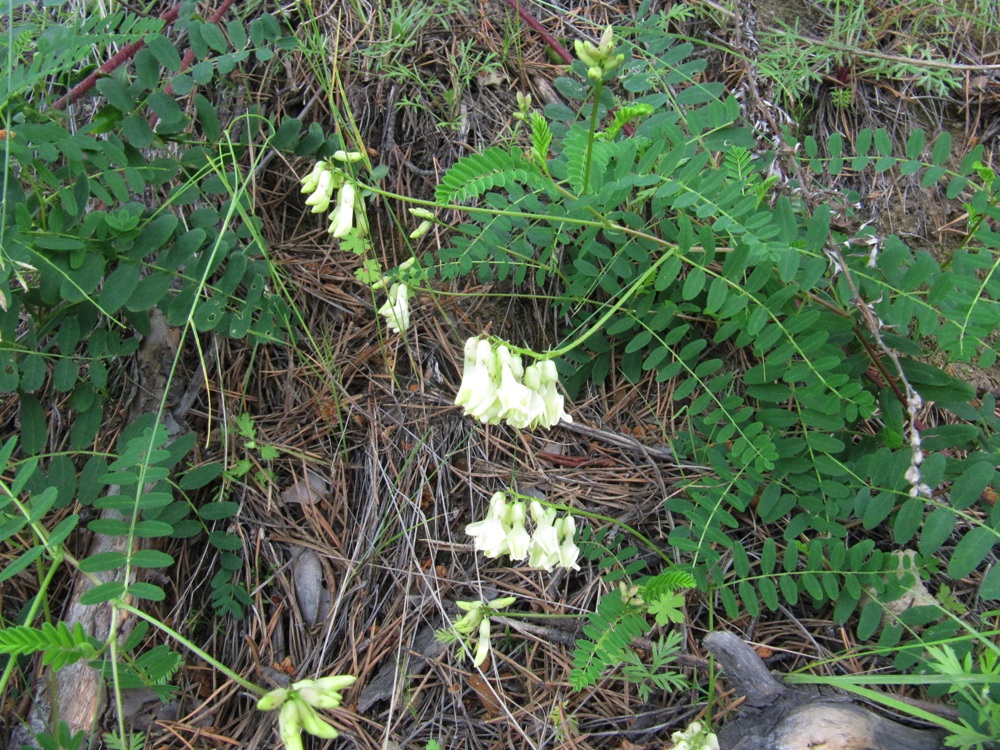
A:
913, 400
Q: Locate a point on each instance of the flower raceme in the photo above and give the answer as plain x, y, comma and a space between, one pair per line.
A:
503, 532
298, 704
497, 387
349, 212
599, 58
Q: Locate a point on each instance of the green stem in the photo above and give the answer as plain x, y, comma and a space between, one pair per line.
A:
191, 647
590, 137
626, 296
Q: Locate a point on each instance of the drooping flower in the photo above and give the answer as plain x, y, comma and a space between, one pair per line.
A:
543, 552
518, 537
548, 379
360, 214
489, 535
342, 218
483, 646
478, 391
396, 310
298, 704
568, 551
695, 737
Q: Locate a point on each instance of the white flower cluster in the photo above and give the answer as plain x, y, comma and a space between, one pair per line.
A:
497, 387
350, 209
695, 737
298, 703
502, 532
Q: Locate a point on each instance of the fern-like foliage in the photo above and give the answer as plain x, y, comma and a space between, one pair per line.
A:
626, 114
667, 583
738, 163
58, 643
473, 175
541, 138
609, 632
656, 675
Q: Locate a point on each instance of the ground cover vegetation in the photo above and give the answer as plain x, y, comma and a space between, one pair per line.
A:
274, 465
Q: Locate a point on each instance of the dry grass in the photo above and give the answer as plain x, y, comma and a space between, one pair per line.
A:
403, 472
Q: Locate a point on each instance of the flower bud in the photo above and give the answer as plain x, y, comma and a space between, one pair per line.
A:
348, 156
321, 698
311, 180
335, 682
315, 724
272, 700
606, 44
420, 231
289, 726
483, 647
587, 52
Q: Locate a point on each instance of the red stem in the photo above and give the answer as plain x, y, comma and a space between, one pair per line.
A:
189, 55
117, 60
553, 43
545, 35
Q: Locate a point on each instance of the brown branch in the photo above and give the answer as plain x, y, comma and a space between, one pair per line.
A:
189, 55
553, 44
545, 35
123, 55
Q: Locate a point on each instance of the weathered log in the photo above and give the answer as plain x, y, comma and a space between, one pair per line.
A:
76, 693
777, 717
